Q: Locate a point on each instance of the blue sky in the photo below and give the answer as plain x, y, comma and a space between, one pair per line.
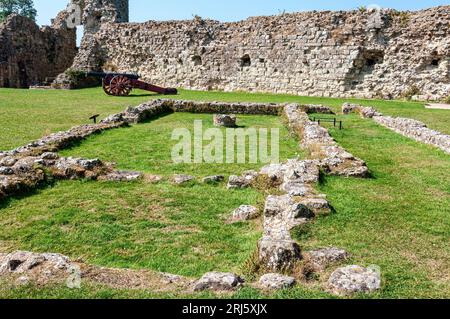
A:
231, 10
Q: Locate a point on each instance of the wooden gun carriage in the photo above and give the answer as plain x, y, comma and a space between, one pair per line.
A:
121, 84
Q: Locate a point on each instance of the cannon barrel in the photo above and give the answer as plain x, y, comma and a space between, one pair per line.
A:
105, 74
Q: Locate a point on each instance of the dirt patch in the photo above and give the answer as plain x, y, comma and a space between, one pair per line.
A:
136, 279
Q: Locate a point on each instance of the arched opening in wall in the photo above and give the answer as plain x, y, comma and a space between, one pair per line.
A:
197, 60
246, 61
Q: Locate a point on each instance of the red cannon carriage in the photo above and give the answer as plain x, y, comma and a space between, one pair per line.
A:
121, 84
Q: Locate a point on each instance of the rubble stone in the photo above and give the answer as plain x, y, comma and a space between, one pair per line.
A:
182, 179
225, 120
23, 262
218, 281
276, 281
278, 255
213, 179
354, 279
415, 130
121, 176
324, 257
244, 212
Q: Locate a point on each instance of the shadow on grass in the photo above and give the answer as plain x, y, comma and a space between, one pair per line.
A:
157, 117
77, 143
323, 177
27, 192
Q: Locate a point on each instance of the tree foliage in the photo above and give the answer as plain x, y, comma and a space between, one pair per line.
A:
22, 7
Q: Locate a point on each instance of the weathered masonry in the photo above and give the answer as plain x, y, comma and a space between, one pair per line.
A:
385, 53
30, 55
362, 53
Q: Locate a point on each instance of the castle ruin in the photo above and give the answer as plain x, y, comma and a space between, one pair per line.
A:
363, 53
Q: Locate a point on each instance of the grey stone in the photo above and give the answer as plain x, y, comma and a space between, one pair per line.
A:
218, 281
23, 281
276, 281
317, 204
49, 156
296, 189
23, 261
354, 279
8, 161
301, 171
244, 212
6, 170
89, 163
115, 118
250, 175
278, 255
121, 176
235, 181
324, 257
225, 120
274, 171
182, 179
171, 278
213, 179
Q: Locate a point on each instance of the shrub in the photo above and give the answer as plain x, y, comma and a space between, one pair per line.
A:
447, 100
109, 67
252, 267
267, 184
75, 76
410, 92
362, 9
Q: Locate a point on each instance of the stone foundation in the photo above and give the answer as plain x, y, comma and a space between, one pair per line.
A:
413, 129
321, 146
27, 167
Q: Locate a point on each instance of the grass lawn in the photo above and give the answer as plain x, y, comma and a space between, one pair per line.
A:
161, 226
399, 219
27, 115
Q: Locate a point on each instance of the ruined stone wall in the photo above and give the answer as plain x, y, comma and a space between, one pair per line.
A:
93, 14
29, 55
385, 53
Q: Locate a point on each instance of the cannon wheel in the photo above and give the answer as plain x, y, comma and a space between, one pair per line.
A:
117, 85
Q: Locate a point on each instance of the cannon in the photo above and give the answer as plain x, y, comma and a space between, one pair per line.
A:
121, 84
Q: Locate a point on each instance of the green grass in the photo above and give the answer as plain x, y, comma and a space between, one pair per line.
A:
398, 220
147, 147
134, 225
27, 115
163, 227
91, 291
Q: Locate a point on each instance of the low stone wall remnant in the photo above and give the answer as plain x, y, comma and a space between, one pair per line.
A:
28, 166
321, 146
413, 129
